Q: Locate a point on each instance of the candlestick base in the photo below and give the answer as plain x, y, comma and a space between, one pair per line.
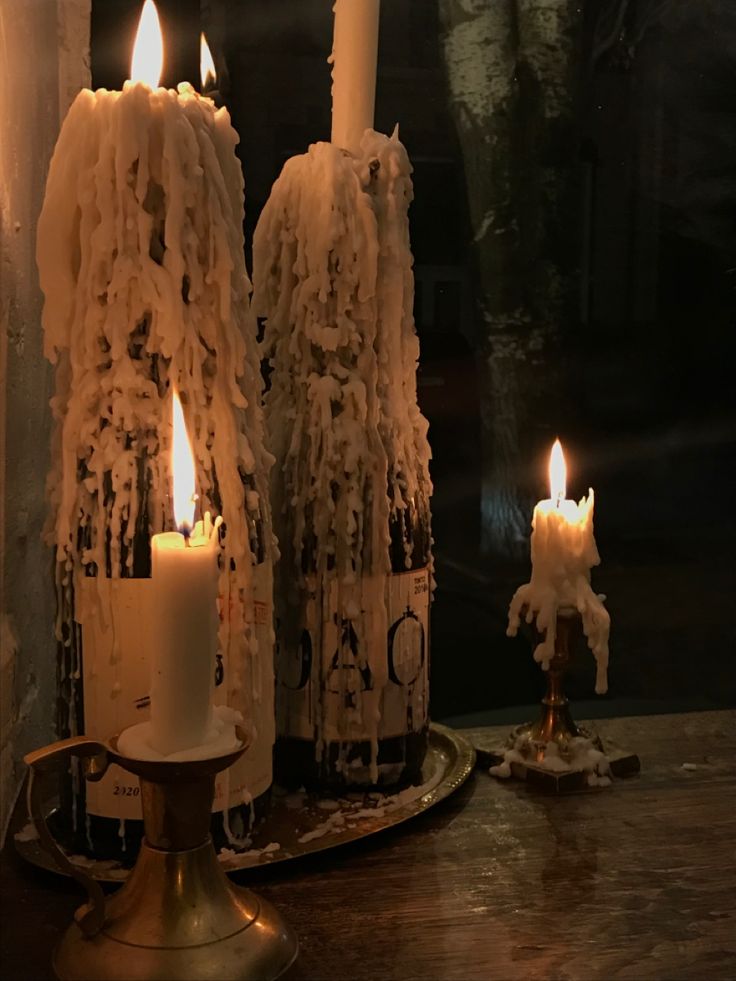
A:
554, 753
520, 759
178, 916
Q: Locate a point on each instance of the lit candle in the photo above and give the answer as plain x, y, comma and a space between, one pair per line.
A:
141, 260
207, 73
147, 62
184, 573
354, 57
563, 552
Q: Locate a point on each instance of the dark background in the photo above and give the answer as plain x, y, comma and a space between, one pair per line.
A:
646, 356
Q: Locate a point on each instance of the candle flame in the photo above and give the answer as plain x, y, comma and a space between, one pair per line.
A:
206, 65
557, 473
148, 50
182, 466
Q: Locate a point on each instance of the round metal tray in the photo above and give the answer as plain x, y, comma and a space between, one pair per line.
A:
300, 824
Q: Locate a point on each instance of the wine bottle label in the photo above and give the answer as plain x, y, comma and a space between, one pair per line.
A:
253, 697
328, 696
114, 616
405, 706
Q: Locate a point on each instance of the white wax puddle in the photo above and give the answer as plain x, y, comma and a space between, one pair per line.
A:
227, 854
135, 742
352, 808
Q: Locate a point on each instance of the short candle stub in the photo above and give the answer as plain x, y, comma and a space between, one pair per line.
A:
563, 552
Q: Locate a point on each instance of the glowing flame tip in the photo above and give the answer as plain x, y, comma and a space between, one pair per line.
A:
557, 473
148, 51
206, 65
182, 465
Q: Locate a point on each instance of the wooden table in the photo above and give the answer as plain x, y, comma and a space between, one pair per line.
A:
634, 881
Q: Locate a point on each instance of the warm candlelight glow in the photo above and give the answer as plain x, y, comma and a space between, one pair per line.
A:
563, 553
557, 473
182, 466
206, 65
148, 50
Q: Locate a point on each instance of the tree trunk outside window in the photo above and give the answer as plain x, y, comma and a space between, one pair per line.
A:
512, 68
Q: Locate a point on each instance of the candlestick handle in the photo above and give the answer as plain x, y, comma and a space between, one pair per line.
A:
91, 916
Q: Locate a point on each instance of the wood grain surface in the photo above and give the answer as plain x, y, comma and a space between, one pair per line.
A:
634, 881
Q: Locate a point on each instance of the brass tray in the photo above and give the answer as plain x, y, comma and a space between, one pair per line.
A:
301, 824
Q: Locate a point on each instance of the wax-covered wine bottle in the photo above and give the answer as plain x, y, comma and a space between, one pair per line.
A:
351, 487
141, 260
324, 738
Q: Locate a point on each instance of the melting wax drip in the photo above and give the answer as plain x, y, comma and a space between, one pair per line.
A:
566, 586
333, 276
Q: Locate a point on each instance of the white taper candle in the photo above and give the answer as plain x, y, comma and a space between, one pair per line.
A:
184, 573
185, 634
354, 59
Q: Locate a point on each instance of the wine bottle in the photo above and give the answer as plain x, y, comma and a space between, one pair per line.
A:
351, 487
141, 260
334, 752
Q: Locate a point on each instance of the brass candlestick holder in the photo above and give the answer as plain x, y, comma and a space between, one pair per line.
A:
177, 916
555, 723
547, 752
